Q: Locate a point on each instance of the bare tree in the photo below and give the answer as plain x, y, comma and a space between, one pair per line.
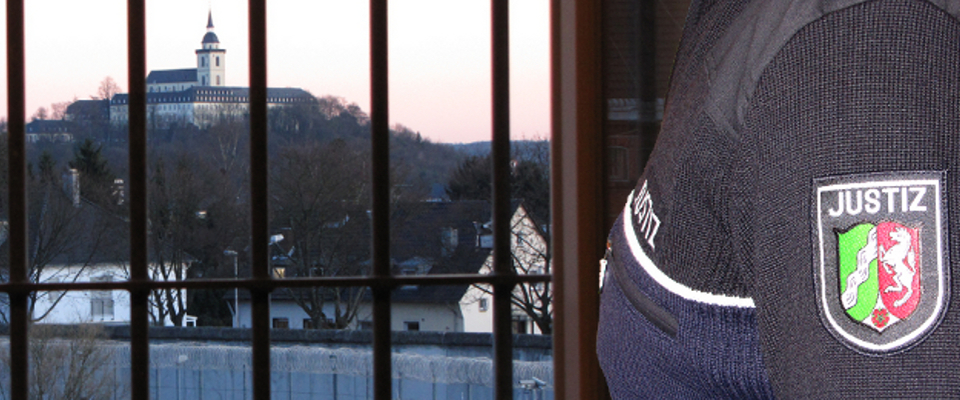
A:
354, 110
40, 114
175, 196
196, 210
227, 145
70, 362
68, 237
319, 199
59, 110
108, 87
331, 106
531, 255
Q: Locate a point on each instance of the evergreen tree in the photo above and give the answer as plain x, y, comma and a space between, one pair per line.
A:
95, 175
529, 181
471, 180
47, 168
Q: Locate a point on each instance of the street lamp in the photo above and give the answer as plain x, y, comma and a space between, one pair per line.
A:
236, 290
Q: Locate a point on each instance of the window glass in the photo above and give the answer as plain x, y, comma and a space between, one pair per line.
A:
319, 149
618, 163
198, 200
441, 211
199, 189
76, 180
640, 40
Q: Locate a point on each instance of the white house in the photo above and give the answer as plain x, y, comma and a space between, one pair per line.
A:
45, 130
424, 308
530, 256
432, 238
73, 241
106, 307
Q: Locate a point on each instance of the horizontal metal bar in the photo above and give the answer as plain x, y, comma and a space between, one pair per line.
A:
270, 284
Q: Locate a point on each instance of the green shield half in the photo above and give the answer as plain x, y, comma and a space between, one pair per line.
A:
849, 244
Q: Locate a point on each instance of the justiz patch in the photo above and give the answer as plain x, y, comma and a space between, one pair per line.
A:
881, 261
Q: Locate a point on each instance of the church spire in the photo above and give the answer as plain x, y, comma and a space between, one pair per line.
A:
210, 40
211, 59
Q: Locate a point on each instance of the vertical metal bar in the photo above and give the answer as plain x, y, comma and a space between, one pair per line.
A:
17, 214
261, 343
380, 131
16, 111
258, 198
139, 314
502, 259
139, 344
19, 366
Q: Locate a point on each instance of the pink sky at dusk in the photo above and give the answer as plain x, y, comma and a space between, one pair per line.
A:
439, 55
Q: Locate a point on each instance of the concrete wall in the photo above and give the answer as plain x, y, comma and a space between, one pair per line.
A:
430, 316
215, 363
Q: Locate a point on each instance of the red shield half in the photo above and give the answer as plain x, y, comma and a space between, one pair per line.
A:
898, 257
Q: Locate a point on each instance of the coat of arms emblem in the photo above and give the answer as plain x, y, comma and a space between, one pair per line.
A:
881, 270
879, 273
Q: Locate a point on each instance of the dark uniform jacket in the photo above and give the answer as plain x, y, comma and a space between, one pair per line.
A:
790, 235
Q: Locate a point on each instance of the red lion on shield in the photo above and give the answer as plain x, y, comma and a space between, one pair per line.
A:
897, 253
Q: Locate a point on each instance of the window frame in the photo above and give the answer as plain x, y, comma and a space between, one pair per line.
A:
578, 195
99, 307
411, 326
503, 278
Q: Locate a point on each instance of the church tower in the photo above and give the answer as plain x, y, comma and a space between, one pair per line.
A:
211, 59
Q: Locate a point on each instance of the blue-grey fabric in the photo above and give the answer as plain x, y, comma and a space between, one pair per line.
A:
767, 98
715, 353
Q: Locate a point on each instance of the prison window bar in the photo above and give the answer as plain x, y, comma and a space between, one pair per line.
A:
17, 213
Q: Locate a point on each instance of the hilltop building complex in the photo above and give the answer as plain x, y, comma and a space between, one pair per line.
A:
199, 96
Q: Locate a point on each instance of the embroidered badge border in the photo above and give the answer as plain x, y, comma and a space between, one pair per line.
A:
909, 208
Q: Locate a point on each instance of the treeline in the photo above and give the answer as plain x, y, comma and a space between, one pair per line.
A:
198, 191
